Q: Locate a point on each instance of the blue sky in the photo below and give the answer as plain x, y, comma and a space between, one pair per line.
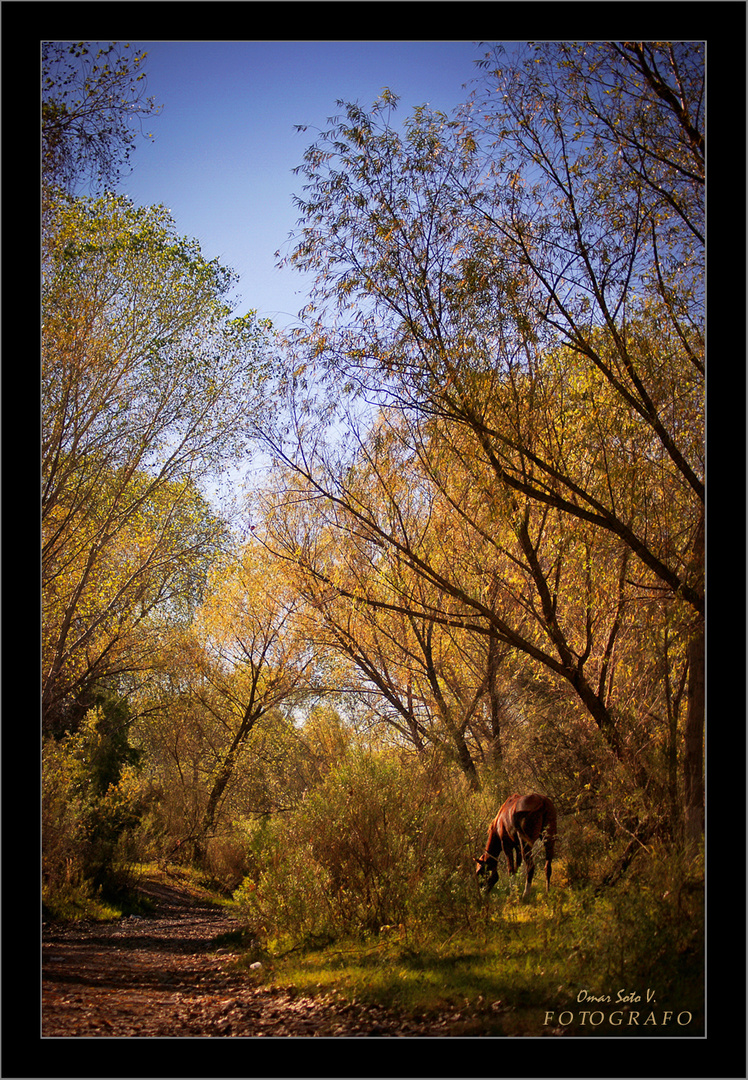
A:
225, 141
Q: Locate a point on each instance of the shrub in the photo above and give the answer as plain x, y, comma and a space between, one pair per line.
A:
375, 844
225, 858
90, 811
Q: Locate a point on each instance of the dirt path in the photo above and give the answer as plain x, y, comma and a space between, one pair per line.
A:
162, 975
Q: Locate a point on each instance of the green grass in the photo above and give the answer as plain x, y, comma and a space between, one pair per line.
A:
95, 905
520, 963
485, 976
73, 902
72, 905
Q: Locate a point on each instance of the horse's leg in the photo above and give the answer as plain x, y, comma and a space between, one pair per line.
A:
508, 847
518, 853
529, 867
549, 841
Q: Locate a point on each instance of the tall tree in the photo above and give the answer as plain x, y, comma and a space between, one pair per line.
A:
531, 275
146, 379
413, 530
244, 658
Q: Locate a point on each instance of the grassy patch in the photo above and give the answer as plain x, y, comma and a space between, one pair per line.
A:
504, 966
121, 897
72, 905
523, 970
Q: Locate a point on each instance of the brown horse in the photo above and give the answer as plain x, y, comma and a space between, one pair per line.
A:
521, 821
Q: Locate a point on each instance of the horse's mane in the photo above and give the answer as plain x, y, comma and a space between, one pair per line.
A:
493, 842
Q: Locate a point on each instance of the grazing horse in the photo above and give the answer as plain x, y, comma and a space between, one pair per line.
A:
521, 821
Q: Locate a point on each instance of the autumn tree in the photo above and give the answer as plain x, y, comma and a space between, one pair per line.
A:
93, 106
146, 378
242, 665
410, 657
427, 583
614, 134
144, 375
526, 280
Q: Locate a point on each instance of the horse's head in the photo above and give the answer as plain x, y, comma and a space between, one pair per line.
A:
485, 867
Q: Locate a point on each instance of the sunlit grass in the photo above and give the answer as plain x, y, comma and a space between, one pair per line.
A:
83, 901
521, 961
75, 904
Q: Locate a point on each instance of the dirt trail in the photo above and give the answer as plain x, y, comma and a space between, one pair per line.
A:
162, 975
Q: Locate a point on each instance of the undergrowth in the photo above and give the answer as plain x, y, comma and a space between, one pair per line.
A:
542, 967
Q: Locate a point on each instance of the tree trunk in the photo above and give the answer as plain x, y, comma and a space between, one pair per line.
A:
220, 784
693, 751
465, 760
495, 751
693, 757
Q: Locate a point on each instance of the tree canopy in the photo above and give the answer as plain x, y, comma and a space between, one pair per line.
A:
93, 105
518, 293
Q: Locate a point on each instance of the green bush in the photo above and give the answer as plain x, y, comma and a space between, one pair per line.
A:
91, 802
376, 844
